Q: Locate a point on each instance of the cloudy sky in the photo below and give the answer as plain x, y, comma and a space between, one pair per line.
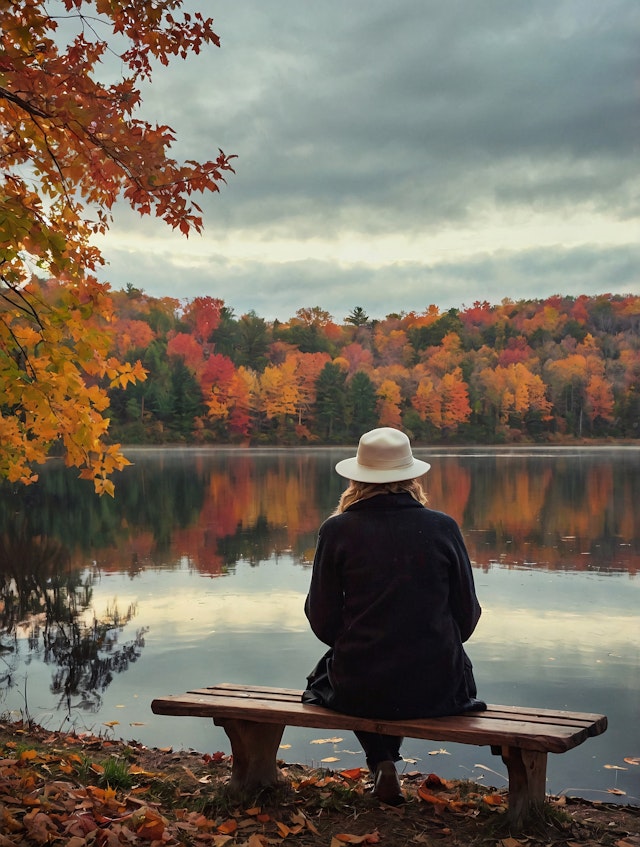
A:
395, 155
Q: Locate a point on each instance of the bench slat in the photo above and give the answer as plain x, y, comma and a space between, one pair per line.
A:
249, 694
541, 730
294, 695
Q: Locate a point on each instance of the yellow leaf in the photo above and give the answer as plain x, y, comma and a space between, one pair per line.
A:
111, 723
325, 741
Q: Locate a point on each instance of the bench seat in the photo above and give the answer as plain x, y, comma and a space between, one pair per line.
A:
254, 718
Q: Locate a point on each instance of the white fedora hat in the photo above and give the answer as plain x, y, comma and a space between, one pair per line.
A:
384, 455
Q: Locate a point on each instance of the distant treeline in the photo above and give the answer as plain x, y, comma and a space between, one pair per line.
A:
527, 370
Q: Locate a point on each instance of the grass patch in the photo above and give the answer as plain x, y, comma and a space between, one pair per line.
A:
116, 774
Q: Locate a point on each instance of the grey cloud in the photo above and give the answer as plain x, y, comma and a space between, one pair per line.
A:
359, 113
278, 290
411, 117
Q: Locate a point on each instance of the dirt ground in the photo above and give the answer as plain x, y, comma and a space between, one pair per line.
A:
86, 790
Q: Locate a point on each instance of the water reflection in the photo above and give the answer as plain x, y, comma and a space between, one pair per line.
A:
198, 569
47, 606
217, 507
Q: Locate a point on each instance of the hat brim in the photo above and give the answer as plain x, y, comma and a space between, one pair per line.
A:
352, 469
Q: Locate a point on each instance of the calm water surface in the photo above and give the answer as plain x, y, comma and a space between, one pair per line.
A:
196, 573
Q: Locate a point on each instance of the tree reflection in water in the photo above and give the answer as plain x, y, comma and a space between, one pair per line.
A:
44, 601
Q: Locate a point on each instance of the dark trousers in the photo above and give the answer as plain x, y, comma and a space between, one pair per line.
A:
379, 748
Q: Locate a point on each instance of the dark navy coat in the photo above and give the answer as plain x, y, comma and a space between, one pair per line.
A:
392, 594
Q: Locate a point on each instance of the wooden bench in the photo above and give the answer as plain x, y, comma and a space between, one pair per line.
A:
254, 718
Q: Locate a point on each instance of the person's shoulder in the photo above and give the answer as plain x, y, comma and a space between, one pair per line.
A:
439, 519
332, 523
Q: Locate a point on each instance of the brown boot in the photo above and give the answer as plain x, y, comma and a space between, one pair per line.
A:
386, 785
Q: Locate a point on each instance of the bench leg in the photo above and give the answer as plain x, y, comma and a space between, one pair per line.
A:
254, 747
527, 771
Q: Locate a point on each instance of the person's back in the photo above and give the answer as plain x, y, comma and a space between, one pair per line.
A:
406, 604
392, 595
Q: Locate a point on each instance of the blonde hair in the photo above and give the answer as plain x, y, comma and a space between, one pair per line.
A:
363, 490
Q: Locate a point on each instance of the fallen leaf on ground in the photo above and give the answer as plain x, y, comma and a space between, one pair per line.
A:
493, 799
228, 826
352, 773
432, 780
214, 757
424, 794
345, 838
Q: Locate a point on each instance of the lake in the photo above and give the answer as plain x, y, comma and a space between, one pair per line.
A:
196, 573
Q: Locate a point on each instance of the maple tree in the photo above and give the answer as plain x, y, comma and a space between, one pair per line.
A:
279, 390
71, 147
427, 402
513, 390
389, 398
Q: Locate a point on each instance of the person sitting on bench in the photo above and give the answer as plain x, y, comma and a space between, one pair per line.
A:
392, 594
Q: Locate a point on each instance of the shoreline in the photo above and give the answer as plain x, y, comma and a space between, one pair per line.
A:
82, 789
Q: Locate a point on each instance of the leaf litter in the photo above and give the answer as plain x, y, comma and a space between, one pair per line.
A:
72, 790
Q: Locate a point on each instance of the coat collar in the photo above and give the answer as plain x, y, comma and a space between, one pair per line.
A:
386, 501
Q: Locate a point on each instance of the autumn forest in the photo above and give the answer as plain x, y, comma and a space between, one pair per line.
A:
548, 370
